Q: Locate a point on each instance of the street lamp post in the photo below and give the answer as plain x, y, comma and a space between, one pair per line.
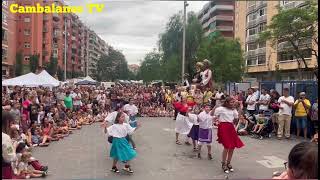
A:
185, 4
65, 49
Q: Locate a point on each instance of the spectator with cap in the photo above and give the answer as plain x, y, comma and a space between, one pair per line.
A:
302, 106
285, 113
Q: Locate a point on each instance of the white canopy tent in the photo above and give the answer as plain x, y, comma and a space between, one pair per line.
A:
88, 78
48, 79
32, 80
29, 80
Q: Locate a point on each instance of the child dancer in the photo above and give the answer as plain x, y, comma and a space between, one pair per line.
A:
183, 126
205, 130
227, 135
120, 148
194, 132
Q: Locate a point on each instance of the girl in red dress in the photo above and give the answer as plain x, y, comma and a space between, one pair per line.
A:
227, 135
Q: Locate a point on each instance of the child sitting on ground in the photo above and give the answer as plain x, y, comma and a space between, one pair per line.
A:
242, 126
261, 122
24, 172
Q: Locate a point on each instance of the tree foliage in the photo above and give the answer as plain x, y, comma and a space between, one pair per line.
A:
295, 26
18, 65
225, 55
112, 66
34, 63
226, 58
52, 66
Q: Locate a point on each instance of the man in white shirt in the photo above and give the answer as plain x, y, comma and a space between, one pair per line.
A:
76, 97
251, 102
256, 92
285, 114
217, 97
264, 100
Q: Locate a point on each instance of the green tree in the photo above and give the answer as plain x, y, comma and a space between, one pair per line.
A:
150, 68
60, 74
297, 27
34, 63
112, 66
52, 66
226, 58
18, 65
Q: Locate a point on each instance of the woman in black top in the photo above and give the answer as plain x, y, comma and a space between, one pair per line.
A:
274, 106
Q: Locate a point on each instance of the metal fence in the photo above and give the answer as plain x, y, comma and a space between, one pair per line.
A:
295, 87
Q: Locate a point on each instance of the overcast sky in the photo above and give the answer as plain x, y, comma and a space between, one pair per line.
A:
133, 26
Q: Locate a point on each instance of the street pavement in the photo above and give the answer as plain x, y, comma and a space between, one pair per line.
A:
85, 155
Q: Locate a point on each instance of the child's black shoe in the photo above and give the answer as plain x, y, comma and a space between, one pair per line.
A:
115, 169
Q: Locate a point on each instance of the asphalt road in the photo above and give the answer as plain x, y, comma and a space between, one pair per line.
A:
85, 155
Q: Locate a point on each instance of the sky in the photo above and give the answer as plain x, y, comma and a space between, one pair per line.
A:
133, 27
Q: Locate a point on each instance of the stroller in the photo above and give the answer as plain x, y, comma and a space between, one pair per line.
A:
266, 131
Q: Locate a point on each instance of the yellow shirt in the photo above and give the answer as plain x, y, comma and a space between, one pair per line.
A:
300, 111
206, 96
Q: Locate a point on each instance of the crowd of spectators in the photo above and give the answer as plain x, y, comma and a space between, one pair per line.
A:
41, 115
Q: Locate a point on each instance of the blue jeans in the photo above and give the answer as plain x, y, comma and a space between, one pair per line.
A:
301, 122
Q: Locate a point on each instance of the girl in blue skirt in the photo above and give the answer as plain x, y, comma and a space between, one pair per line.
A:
120, 148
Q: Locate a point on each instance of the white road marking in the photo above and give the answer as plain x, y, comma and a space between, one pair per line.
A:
167, 129
272, 162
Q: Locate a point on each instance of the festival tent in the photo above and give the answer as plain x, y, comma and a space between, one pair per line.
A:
29, 80
88, 78
48, 79
86, 82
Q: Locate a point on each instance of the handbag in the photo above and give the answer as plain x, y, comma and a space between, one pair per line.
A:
110, 139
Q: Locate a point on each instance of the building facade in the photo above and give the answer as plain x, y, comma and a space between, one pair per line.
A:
218, 16
48, 35
263, 61
8, 40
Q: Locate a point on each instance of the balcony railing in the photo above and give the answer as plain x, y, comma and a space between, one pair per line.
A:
252, 38
218, 17
287, 45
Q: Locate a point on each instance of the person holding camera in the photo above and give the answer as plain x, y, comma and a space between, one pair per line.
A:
302, 106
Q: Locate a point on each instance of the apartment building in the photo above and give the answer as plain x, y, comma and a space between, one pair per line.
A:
8, 40
218, 15
263, 61
44, 34
96, 48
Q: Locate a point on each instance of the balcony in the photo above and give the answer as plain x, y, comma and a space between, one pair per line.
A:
55, 16
252, 38
287, 45
73, 38
218, 17
4, 58
258, 5
223, 28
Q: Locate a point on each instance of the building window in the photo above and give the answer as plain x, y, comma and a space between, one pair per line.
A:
27, 19
251, 17
290, 56
27, 45
27, 32
252, 31
4, 72
252, 46
262, 44
27, 58
261, 59
4, 35
262, 12
251, 61
4, 54
4, 17
262, 27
